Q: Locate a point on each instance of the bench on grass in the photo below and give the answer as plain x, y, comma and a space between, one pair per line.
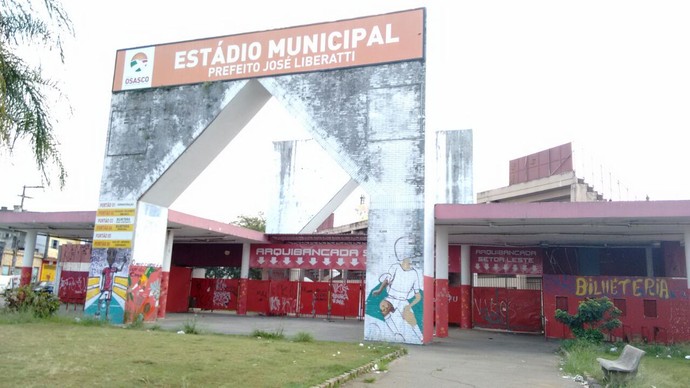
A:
624, 366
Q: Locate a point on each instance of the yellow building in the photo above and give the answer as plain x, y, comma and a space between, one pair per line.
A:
45, 256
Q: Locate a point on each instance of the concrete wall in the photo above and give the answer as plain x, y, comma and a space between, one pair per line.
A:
454, 166
371, 121
309, 186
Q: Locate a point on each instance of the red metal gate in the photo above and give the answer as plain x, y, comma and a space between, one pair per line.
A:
507, 309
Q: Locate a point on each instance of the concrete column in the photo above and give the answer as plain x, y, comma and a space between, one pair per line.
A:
165, 276
650, 261
465, 288
146, 268
687, 256
244, 277
441, 282
28, 259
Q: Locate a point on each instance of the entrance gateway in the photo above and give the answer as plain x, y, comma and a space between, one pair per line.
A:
357, 86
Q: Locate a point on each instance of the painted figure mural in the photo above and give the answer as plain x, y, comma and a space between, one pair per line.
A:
107, 286
394, 299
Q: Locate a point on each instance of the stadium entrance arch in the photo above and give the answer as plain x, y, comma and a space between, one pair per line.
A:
356, 85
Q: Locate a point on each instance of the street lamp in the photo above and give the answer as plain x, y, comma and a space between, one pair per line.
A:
23, 195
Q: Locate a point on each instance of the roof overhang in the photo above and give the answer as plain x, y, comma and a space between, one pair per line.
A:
635, 223
79, 225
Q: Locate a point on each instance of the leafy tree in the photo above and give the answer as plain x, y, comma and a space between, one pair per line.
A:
257, 223
252, 222
593, 316
24, 108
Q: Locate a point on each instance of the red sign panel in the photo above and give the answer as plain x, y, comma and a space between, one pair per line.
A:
501, 260
330, 256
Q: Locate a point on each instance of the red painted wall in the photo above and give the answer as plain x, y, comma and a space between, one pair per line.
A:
507, 309
179, 287
454, 306
73, 287
207, 255
674, 259
314, 299
282, 299
668, 295
215, 294
345, 299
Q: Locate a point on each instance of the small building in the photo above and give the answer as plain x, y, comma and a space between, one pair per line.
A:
549, 240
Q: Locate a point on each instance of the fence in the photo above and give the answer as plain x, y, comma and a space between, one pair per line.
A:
270, 297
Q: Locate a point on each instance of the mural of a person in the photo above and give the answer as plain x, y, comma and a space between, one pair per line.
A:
403, 291
107, 281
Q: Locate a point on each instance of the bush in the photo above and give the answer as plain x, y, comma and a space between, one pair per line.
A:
190, 326
275, 335
593, 316
24, 299
303, 337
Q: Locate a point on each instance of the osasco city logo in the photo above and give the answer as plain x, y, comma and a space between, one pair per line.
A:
138, 71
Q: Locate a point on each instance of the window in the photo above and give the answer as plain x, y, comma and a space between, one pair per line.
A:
621, 305
562, 303
650, 308
54, 244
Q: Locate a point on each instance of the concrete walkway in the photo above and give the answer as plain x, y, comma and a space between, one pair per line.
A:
467, 358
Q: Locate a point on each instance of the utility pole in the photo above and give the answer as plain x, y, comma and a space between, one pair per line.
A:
23, 195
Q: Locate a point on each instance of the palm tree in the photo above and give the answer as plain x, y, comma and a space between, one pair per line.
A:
24, 108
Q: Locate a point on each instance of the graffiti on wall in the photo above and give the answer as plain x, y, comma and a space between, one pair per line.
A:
144, 293
392, 302
221, 294
282, 298
507, 309
339, 293
589, 286
72, 286
615, 286
107, 283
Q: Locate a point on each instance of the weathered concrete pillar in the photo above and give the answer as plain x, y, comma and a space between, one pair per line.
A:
441, 282
165, 276
28, 259
465, 288
146, 268
244, 276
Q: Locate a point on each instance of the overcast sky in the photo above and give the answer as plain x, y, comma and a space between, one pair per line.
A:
610, 76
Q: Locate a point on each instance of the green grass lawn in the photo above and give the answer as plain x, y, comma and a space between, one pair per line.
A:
59, 353
661, 366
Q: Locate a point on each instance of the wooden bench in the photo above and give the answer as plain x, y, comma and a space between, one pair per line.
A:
624, 366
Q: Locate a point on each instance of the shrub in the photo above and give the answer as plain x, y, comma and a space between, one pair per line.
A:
189, 326
593, 316
24, 299
303, 337
276, 335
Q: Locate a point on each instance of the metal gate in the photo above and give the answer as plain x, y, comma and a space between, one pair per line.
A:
511, 303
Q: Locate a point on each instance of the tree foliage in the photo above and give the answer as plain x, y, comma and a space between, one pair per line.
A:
24, 107
257, 223
593, 315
